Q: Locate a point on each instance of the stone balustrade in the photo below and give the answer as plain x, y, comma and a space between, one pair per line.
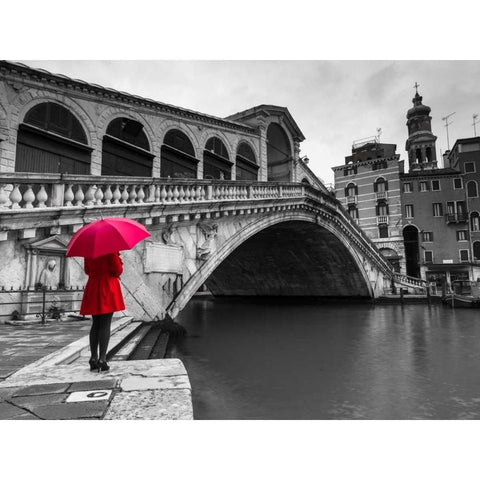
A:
410, 281
27, 191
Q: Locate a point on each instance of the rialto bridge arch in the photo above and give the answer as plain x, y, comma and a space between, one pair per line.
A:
249, 244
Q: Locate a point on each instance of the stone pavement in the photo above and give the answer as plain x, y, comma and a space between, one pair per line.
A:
55, 383
21, 345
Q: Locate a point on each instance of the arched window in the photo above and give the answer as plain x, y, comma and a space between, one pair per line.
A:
247, 168
126, 151
178, 156
279, 154
380, 185
428, 153
216, 163
475, 222
52, 140
351, 189
382, 208
476, 251
472, 190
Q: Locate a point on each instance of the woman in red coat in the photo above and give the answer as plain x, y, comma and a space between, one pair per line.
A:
102, 297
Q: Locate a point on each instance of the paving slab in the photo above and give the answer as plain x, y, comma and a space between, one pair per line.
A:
8, 411
41, 389
71, 411
151, 405
105, 384
33, 401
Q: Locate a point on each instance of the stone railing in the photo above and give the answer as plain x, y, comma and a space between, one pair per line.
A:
27, 191
410, 281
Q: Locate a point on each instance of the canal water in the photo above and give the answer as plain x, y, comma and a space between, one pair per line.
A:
268, 360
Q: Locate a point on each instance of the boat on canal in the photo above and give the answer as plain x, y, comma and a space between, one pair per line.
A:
465, 294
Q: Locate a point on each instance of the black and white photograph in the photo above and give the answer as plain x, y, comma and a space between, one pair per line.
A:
269, 246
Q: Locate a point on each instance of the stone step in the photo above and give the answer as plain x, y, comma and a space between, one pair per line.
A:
125, 352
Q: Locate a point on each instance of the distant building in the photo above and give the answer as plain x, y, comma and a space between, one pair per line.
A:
368, 186
425, 221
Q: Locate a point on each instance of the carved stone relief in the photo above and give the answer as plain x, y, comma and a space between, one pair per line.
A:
205, 247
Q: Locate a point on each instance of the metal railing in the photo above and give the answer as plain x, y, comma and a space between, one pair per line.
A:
49, 307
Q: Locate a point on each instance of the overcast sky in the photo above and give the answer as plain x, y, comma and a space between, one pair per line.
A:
333, 102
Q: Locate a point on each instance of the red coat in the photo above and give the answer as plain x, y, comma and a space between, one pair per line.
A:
103, 293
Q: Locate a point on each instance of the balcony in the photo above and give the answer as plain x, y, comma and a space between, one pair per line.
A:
381, 195
461, 217
382, 219
351, 200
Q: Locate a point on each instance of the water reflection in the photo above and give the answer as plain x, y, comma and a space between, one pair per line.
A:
339, 361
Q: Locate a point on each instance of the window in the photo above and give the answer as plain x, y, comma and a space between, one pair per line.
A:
409, 211
469, 167
427, 236
437, 209
424, 186
475, 222
472, 189
464, 255
246, 164
435, 185
476, 251
353, 212
407, 187
462, 235
382, 208
350, 170
351, 190
457, 183
380, 185
383, 231
428, 256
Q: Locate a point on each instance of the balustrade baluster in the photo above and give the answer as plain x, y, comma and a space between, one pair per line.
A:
200, 192
133, 194
163, 194
28, 197
151, 193
181, 194
117, 195
79, 196
159, 191
169, 193
3, 197
176, 194
90, 195
108, 195
230, 191
140, 194
124, 196
186, 198
42, 197
68, 197
193, 193
98, 196
15, 197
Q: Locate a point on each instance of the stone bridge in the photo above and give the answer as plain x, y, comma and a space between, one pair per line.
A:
234, 237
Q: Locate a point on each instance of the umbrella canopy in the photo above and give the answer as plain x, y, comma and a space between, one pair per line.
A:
106, 236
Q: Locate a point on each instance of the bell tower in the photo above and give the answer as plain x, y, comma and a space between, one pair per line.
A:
420, 144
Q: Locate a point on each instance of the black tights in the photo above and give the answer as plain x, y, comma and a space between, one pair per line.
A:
100, 336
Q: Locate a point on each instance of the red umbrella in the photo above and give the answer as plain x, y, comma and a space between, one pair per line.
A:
106, 236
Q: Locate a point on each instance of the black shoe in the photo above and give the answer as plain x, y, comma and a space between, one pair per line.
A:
93, 364
103, 366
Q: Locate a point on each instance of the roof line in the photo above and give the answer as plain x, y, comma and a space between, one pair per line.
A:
66, 81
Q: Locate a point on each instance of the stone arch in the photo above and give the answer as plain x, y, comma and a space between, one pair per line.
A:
168, 125
111, 113
250, 143
234, 241
208, 133
280, 123
27, 102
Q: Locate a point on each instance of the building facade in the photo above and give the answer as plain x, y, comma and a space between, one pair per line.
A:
368, 185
